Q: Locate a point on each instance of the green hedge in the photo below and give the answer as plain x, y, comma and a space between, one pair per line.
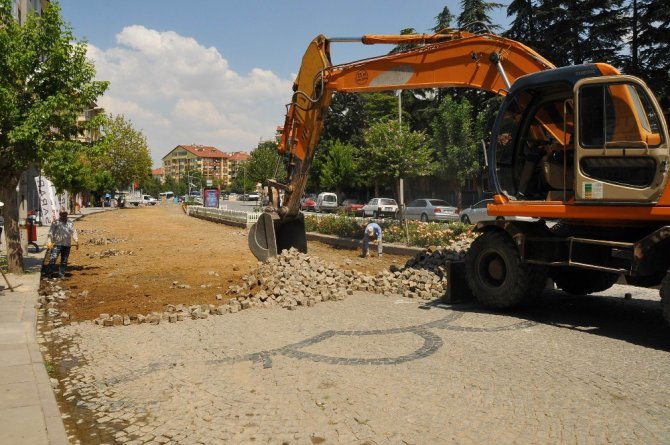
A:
420, 234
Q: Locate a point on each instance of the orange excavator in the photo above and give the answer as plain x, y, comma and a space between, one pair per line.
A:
583, 150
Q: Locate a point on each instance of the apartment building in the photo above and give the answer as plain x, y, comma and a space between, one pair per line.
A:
235, 162
89, 134
21, 9
211, 162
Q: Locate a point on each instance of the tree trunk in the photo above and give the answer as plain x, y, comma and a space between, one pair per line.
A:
459, 197
10, 213
634, 50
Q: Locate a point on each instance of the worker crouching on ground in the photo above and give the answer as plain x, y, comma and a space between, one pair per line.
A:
374, 232
59, 241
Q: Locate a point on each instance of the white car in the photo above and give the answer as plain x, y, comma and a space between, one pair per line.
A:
326, 202
477, 212
431, 210
381, 207
149, 200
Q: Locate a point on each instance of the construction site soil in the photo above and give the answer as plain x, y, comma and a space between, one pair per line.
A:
138, 260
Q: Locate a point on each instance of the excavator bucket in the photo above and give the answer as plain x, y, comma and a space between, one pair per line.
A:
267, 237
292, 234
262, 240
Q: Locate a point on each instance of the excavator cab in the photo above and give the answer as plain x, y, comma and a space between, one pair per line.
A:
576, 136
621, 146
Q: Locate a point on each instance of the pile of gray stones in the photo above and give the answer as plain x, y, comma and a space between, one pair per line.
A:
294, 279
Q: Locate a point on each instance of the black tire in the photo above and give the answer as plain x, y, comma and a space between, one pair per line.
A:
424, 217
496, 275
500, 218
465, 219
665, 297
375, 215
582, 281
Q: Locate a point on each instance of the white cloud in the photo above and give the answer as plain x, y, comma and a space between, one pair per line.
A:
179, 92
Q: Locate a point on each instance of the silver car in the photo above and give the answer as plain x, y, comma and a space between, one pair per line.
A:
431, 210
477, 212
381, 207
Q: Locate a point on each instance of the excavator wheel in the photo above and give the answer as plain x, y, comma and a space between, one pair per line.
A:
665, 297
497, 276
582, 281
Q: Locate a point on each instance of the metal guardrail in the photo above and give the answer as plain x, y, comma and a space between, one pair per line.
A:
234, 217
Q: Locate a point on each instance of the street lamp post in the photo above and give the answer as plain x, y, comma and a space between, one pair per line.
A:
401, 195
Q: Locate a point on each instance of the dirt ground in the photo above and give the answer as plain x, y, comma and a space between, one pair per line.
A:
138, 260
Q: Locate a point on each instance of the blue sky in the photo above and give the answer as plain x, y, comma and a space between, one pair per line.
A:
218, 72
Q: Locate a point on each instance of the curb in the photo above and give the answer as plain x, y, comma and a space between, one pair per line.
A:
350, 243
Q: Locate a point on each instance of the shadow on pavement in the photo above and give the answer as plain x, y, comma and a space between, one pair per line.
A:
637, 321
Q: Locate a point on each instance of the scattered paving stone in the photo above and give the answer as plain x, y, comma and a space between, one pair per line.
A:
290, 280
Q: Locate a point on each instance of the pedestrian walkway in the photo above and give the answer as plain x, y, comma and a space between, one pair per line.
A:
29, 413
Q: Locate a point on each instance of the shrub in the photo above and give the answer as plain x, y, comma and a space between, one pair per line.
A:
420, 234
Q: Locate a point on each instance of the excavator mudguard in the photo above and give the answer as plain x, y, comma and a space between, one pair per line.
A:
269, 236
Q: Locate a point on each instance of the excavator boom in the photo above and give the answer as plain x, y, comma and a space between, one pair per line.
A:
449, 59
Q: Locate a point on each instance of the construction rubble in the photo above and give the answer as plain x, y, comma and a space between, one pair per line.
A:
290, 280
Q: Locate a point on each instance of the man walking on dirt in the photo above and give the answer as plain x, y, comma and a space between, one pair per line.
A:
59, 240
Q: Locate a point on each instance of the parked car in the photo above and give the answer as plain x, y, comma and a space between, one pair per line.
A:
431, 210
146, 200
381, 207
477, 212
308, 205
352, 207
248, 197
326, 202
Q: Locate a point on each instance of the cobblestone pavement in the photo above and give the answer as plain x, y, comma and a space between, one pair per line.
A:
376, 369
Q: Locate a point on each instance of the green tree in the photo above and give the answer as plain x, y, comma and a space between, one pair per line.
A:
346, 119
456, 137
392, 152
125, 153
151, 186
265, 163
103, 182
477, 12
655, 49
45, 82
380, 106
69, 168
590, 30
170, 185
443, 20
339, 169
526, 27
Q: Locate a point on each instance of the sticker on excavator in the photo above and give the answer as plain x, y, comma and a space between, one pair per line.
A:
593, 190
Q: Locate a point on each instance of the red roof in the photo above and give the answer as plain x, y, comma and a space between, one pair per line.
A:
203, 151
157, 171
239, 156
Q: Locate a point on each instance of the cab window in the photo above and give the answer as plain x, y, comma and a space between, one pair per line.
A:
617, 114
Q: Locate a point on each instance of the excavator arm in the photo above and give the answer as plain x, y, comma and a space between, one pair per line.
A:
447, 59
